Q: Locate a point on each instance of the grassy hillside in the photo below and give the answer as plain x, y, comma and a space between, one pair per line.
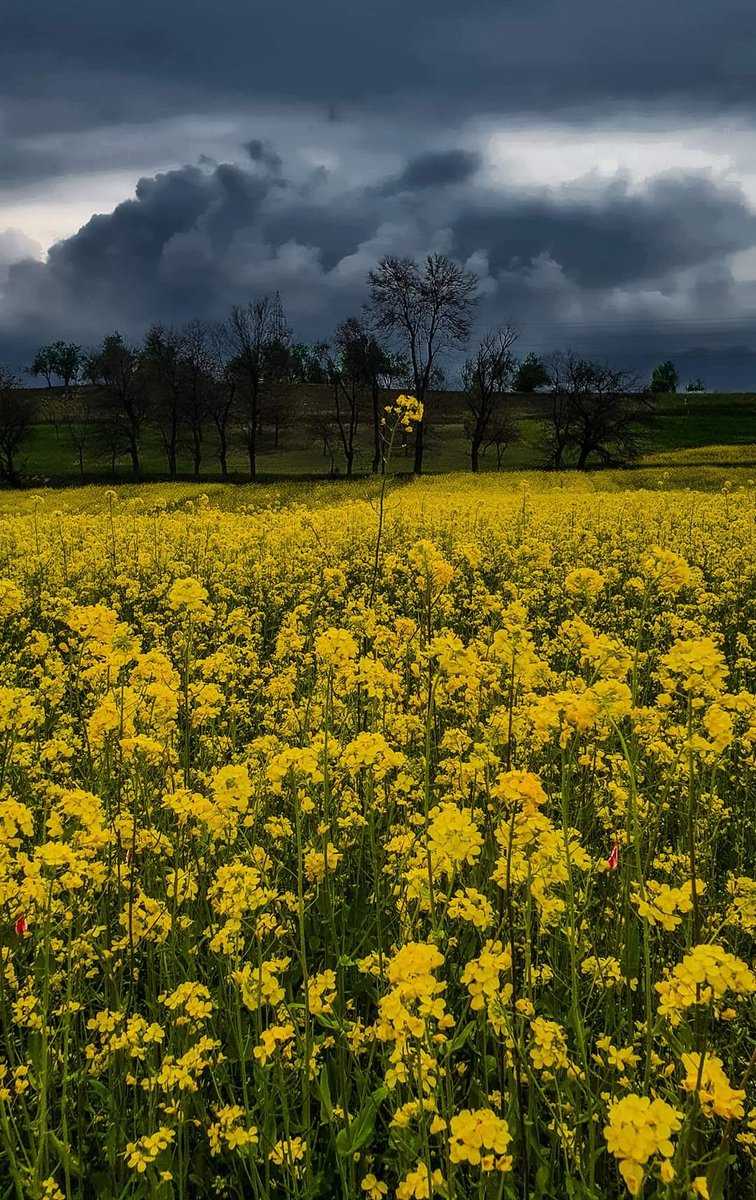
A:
703, 423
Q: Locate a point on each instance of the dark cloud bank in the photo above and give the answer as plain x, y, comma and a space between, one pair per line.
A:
627, 272
66, 65
196, 240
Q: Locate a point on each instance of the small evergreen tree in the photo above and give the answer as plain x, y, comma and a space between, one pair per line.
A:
664, 378
531, 374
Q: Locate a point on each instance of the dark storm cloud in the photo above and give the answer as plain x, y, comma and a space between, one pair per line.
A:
14, 246
87, 89
23, 164
484, 55
190, 243
314, 225
167, 250
196, 240
437, 168
620, 237
262, 153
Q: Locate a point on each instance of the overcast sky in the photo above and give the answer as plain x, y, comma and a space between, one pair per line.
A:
593, 160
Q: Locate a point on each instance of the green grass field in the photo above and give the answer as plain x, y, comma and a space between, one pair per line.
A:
698, 423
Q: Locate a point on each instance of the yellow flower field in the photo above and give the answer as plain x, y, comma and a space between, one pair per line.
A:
338, 865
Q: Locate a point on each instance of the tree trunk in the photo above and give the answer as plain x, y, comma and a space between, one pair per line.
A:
222, 447
583, 458
134, 452
172, 457
254, 431
377, 448
475, 453
417, 468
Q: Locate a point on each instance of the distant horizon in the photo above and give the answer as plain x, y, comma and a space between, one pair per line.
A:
692, 365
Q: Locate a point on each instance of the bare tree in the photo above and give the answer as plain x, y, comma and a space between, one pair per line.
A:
49, 411
259, 337
558, 426
428, 311
222, 394
277, 407
302, 371
118, 368
322, 426
486, 378
501, 434
110, 441
348, 370
373, 369
198, 386
163, 359
15, 423
595, 410
76, 414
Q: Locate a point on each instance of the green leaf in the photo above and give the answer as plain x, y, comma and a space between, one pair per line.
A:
110, 1146
360, 1131
327, 1021
716, 1175
543, 1175
324, 1089
62, 1150
100, 1183
100, 1090
576, 1189
462, 1036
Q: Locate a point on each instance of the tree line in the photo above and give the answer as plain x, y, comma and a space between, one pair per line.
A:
210, 387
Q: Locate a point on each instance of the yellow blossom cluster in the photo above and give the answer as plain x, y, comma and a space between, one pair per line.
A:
639, 1129
378, 841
